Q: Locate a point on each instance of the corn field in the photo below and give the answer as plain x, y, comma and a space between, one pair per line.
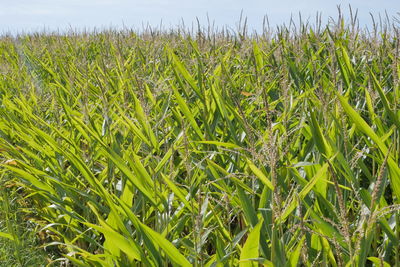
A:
212, 148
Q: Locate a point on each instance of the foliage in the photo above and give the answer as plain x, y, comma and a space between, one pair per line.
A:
207, 149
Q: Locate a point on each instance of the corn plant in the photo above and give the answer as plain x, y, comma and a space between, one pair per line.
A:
208, 148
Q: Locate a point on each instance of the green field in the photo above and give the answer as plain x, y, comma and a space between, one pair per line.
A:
120, 148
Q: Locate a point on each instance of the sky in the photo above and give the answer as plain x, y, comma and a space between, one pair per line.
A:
17, 16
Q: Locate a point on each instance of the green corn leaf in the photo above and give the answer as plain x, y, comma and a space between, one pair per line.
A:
6, 235
379, 262
364, 127
295, 254
260, 175
187, 113
157, 239
250, 250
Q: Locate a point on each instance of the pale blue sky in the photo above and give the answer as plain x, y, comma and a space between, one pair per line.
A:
28, 15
